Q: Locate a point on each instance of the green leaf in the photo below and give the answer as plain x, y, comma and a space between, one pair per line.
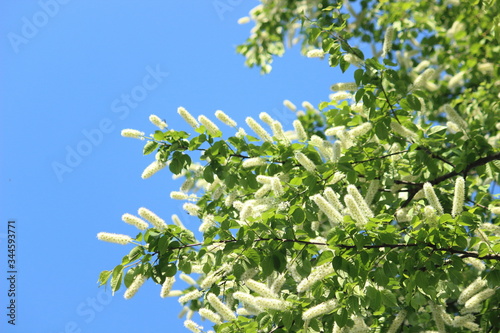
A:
373, 62
388, 62
375, 297
337, 262
324, 257
389, 298
129, 277
104, 277
304, 268
253, 255
358, 76
208, 174
418, 300
116, 278
341, 317
170, 269
135, 253
149, 147
298, 215
159, 135
279, 261
267, 266
390, 269
175, 166
344, 65
381, 130
381, 278
413, 102
358, 53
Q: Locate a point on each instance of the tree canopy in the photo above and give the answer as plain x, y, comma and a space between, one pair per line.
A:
376, 212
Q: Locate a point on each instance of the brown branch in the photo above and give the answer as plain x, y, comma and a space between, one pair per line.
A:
469, 167
380, 157
388, 102
427, 150
463, 253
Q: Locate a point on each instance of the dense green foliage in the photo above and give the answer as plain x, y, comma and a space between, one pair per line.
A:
376, 213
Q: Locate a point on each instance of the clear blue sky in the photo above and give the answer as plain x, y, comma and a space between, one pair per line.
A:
67, 67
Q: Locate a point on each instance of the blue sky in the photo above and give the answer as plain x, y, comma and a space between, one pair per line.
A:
67, 69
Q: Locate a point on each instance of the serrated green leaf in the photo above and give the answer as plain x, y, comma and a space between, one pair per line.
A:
116, 278
149, 147
104, 277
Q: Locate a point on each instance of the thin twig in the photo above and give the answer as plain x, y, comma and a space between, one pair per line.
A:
463, 253
469, 167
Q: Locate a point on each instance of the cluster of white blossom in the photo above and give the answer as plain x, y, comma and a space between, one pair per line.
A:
324, 147
315, 53
154, 219
431, 196
221, 308
403, 131
333, 199
114, 238
290, 105
353, 60
388, 38
135, 221
153, 168
212, 129
348, 86
437, 315
396, 323
454, 119
134, 286
192, 326
360, 130
253, 162
333, 214
188, 279
372, 191
317, 274
210, 315
320, 309
177, 221
208, 221
352, 190
355, 211
305, 162
155, 120
188, 117
214, 276
192, 295
299, 130
166, 287
340, 95
191, 208
459, 196
279, 134
131, 133
359, 325
260, 288
423, 79
225, 118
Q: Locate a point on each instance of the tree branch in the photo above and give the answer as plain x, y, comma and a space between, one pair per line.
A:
464, 254
380, 157
469, 167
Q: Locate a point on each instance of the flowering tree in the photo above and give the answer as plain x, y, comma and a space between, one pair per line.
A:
375, 213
